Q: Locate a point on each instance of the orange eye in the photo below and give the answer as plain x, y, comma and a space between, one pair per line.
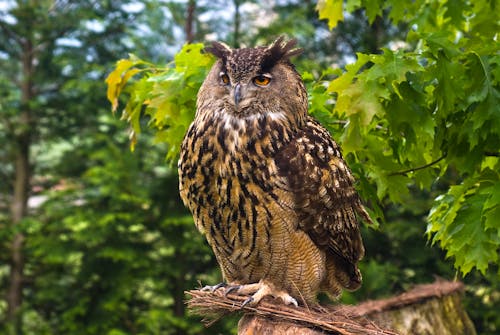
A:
224, 78
261, 80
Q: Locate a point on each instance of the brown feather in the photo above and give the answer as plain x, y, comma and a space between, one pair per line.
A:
265, 182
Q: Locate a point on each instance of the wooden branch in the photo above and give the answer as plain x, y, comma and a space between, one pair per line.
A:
215, 305
426, 309
418, 294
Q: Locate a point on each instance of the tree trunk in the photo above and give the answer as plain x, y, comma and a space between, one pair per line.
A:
237, 19
179, 281
190, 21
427, 309
22, 177
375, 40
251, 324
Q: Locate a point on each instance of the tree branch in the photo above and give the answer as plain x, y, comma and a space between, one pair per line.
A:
492, 154
337, 321
4, 27
404, 172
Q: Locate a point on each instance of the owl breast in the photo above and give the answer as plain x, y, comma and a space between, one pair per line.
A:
229, 188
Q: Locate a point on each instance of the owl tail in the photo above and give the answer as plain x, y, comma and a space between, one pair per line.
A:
340, 274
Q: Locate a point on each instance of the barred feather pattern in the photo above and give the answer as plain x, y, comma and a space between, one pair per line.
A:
268, 186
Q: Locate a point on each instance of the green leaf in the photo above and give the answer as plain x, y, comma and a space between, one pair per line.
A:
167, 95
373, 9
441, 42
331, 10
461, 222
118, 78
398, 10
392, 68
448, 93
387, 72
352, 5
345, 80
473, 245
456, 11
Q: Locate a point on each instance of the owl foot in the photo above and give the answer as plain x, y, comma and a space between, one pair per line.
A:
260, 290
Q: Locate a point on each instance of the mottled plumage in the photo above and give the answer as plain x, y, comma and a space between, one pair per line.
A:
265, 182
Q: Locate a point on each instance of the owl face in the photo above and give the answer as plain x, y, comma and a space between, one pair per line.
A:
252, 81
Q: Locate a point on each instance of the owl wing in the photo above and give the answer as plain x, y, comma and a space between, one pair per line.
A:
323, 194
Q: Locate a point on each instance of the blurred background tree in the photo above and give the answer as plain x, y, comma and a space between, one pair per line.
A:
93, 237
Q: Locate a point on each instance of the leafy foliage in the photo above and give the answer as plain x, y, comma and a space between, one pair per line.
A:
465, 221
432, 107
113, 262
109, 248
166, 93
411, 114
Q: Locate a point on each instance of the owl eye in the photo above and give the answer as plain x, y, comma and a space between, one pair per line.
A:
261, 80
224, 78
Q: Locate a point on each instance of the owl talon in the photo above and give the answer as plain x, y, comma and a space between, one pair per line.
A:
232, 288
213, 288
289, 300
249, 300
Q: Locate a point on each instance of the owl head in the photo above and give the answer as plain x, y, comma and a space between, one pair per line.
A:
249, 81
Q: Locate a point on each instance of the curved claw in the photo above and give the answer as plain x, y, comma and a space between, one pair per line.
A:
214, 287
249, 300
289, 300
231, 289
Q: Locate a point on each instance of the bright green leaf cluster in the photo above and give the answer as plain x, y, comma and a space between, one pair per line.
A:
414, 113
166, 95
453, 221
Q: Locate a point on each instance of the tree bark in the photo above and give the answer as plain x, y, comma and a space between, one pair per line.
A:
190, 21
22, 178
426, 309
237, 21
375, 40
178, 293
251, 324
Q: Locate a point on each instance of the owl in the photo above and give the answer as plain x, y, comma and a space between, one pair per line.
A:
266, 183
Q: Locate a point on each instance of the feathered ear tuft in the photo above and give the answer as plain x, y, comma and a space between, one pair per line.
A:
280, 50
219, 50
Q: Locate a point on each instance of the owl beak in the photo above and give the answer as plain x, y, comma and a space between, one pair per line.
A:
237, 94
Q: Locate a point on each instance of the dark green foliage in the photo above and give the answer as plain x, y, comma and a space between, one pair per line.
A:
114, 250
110, 248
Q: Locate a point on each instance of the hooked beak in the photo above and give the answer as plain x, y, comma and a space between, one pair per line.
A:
237, 94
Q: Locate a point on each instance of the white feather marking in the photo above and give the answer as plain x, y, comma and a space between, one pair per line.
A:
276, 115
233, 124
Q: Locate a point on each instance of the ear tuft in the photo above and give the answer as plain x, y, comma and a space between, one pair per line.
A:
280, 50
219, 50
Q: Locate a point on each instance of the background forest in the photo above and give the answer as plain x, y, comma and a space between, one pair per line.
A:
93, 236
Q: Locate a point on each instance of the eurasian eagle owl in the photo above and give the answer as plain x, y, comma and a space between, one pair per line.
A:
266, 183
